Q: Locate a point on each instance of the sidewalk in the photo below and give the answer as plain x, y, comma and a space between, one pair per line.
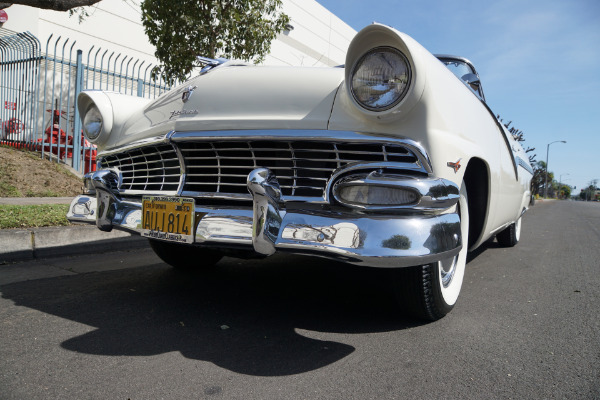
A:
56, 241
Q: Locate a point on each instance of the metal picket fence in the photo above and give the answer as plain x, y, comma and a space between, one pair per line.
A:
38, 93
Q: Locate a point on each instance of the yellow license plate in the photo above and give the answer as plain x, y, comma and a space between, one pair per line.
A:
168, 218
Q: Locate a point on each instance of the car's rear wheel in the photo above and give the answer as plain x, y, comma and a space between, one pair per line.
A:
511, 235
430, 291
185, 257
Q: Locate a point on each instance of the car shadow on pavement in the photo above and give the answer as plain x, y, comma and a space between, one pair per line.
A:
488, 245
265, 318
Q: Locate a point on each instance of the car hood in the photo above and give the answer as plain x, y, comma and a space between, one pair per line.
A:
237, 97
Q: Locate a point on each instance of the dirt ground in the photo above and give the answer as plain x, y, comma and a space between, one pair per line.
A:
26, 174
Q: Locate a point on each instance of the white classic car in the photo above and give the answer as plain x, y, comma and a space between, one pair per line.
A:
394, 161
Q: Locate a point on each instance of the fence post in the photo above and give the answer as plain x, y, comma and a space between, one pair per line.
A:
140, 88
77, 139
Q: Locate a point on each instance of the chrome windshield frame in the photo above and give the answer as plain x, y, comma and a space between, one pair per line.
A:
447, 57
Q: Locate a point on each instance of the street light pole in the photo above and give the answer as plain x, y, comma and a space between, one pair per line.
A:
546, 177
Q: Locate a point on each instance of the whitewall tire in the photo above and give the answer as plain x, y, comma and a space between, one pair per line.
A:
430, 291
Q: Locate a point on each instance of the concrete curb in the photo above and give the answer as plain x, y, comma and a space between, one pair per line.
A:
27, 244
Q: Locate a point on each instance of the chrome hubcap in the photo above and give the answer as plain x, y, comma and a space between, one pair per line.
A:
518, 229
447, 269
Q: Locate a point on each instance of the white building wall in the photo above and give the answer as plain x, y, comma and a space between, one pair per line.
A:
113, 25
318, 37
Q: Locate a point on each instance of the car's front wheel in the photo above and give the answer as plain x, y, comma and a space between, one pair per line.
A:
185, 257
430, 291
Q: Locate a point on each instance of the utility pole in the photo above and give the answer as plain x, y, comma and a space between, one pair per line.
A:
546, 177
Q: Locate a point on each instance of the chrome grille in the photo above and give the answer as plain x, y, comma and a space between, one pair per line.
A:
302, 167
146, 169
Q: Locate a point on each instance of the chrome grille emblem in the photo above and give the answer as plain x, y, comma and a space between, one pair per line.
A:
187, 93
455, 165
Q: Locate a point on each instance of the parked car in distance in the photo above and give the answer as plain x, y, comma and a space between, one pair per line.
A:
393, 161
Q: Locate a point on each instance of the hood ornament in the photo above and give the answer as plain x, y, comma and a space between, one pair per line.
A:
187, 93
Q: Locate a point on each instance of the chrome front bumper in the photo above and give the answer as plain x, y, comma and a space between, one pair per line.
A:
370, 239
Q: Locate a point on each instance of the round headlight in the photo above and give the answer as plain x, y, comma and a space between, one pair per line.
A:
92, 123
380, 79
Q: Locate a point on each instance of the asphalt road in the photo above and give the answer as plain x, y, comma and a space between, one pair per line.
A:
125, 326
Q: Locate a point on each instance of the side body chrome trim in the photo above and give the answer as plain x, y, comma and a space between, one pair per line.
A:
525, 165
500, 228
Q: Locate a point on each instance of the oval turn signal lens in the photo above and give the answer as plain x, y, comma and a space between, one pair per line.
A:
370, 195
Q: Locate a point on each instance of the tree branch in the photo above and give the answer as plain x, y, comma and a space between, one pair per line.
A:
56, 5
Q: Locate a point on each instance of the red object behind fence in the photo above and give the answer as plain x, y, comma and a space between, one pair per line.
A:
56, 141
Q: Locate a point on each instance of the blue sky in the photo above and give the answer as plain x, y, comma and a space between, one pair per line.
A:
539, 63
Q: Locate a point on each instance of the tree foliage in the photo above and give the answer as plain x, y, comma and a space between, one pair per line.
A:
565, 191
539, 167
539, 177
590, 192
182, 30
519, 136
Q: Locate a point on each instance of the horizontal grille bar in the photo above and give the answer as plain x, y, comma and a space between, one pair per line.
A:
270, 167
302, 167
224, 151
131, 165
151, 168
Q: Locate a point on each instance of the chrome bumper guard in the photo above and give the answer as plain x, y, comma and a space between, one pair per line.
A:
370, 239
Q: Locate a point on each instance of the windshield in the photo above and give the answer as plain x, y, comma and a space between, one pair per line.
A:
464, 70
458, 68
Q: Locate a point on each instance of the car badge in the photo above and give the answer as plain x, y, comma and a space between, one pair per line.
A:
455, 165
179, 113
187, 93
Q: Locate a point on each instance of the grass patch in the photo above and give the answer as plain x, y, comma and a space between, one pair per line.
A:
31, 216
25, 174
8, 190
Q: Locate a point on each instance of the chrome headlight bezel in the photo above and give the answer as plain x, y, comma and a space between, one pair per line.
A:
95, 107
404, 75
